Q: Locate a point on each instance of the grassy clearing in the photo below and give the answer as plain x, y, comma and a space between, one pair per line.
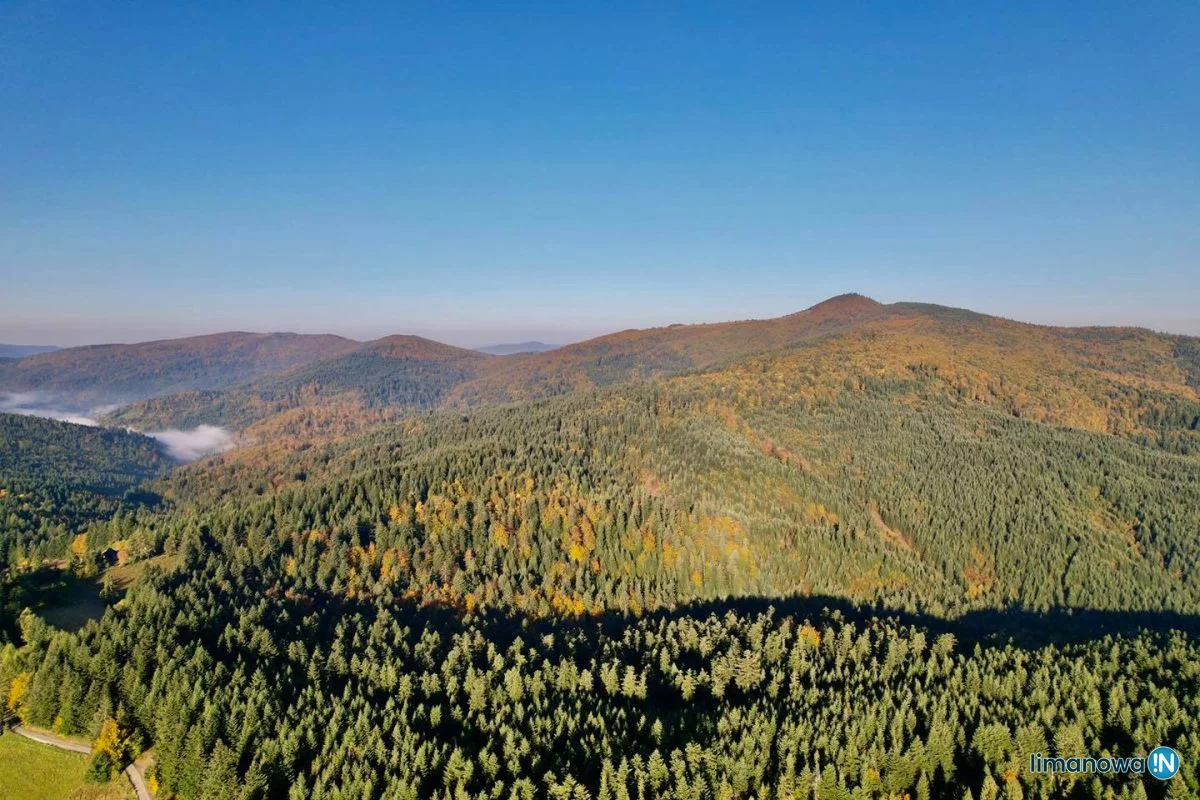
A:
126, 575
69, 602
32, 771
59, 597
73, 603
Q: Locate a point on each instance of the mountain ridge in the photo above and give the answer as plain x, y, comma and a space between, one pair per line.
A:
1147, 377
477, 377
82, 378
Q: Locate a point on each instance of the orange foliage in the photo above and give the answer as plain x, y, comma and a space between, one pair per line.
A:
979, 576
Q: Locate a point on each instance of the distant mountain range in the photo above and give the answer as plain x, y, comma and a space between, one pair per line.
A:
396, 372
84, 378
402, 373
1121, 380
517, 348
23, 350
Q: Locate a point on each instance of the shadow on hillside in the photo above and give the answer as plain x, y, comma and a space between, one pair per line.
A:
986, 627
1000, 627
57, 595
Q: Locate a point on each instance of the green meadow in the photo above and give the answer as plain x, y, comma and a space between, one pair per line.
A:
32, 771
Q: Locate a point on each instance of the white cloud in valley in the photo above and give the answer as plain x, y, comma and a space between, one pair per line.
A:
182, 445
34, 404
203, 440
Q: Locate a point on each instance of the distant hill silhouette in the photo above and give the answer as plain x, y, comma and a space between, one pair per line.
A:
517, 348
397, 372
82, 378
24, 350
640, 354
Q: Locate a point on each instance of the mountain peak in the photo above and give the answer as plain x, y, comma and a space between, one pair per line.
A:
851, 302
404, 345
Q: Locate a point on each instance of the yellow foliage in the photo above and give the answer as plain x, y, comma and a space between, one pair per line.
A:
392, 565
816, 512
649, 543
79, 545
16, 690
110, 741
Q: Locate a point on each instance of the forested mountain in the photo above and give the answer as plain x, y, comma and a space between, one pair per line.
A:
84, 378
864, 551
56, 477
1130, 382
632, 498
1074, 376
398, 372
640, 354
380, 378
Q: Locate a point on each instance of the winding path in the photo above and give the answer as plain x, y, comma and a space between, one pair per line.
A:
52, 740
131, 772
139, 785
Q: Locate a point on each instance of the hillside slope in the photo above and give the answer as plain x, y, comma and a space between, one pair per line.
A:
894, 491
55, 478
398, 373
84, 378
642, 354
455, 377
1129, 382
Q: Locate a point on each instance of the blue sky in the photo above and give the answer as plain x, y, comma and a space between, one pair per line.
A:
560, 170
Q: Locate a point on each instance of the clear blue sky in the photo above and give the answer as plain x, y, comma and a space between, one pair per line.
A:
559, 170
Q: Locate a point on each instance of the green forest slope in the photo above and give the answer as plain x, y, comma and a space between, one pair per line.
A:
56, 478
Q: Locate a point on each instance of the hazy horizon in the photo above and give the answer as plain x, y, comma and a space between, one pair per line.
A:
471, 338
